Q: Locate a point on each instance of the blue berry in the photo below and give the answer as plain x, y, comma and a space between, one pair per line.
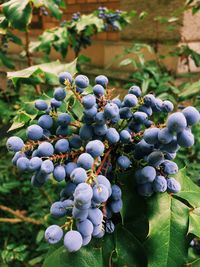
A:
160, 184
23, 164
151, 135
100, 193
118, 102
176, 122
69, 167
146, 175
64, 119
41, 105
83, 193
99, 118
185, 138
156, 158
65, 76
170, 167
82, 81
80, 215
45, 149
167, 106
103, 180
125, 136
130, 100
135, 90
111, 110
14, 143
98, 90
73, 241
34, 132
91, 112
85, 161
86, 240
95, 216
109, 227
88, 101
55, 103
62, 146
100, 129
123, 162
57, 209
45, 121
59, 93
53, 234
85, 227
165, 136
116, 192
173, 186
86, 132
102, 80
35, 163
116, 206
62, 131
140, 117
75, 141
192, 115
47, 166
78, 175
125, 113
59, 173
112, 136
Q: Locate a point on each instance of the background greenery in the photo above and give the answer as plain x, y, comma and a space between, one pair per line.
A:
24, 210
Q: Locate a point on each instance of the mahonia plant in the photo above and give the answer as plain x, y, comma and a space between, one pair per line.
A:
109, 137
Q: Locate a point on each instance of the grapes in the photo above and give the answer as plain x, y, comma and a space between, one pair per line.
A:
85, 161
53, 234
14, 143
73, 241
87, 152
34, 132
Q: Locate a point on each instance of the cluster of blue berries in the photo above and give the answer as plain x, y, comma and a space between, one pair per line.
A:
111, 19
87, 153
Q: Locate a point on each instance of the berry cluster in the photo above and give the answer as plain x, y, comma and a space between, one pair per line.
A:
89, 153
111, 19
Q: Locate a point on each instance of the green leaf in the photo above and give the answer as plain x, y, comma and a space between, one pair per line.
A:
53, 68
190, 90
189, 191
194, 219
196, 57
168, 222
126, 62
18, 13
50, 4
3, 24
86, 20
89, 256
6, 61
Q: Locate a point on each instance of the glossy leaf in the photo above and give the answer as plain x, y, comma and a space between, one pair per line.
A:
18, 13
168, 223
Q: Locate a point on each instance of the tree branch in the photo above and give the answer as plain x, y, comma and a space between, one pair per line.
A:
18, 214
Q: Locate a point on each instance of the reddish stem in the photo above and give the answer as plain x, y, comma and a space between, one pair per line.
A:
104, 160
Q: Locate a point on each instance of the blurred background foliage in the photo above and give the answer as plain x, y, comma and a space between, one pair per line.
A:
24, 210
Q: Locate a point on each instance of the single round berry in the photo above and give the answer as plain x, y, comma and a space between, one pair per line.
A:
73, 241
53, 234
14, 143
82, 81
34, 132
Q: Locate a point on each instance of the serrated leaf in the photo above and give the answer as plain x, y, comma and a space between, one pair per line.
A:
190, 90
168, 223
86, 257
50, 4
86, 20
18, 13
189, 191
194, 219
53, 68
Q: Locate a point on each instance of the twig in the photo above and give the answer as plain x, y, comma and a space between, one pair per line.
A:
104, 160
18, 214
